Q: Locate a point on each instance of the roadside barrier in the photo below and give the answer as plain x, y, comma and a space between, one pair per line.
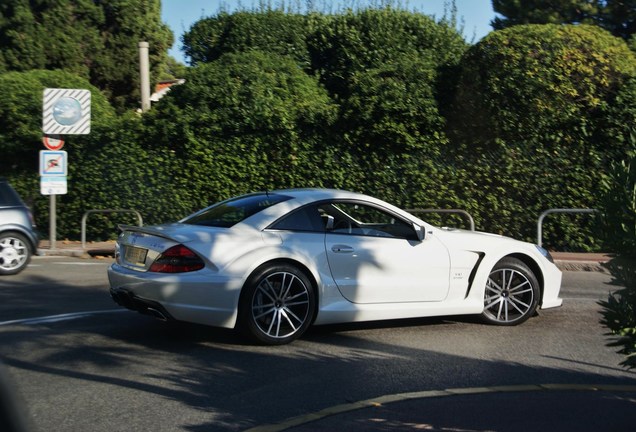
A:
547, 212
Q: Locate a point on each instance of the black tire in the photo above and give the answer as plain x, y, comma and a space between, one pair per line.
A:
511, 295
277, 304
15, 253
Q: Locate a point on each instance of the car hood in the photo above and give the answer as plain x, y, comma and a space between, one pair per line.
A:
480, 241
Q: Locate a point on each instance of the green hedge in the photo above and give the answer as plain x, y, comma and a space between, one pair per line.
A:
385, 101
539, 114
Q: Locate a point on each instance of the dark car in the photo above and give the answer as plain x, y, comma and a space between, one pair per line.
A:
18, 236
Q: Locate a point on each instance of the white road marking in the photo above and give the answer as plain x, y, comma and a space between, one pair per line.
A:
58, 318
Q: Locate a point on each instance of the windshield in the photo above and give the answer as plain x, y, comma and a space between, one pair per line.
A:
228, 213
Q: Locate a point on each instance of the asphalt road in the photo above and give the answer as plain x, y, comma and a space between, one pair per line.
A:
80, 363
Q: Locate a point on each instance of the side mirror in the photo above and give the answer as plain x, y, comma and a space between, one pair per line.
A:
419, 231
329, 223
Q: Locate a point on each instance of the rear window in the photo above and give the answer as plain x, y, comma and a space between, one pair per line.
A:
8, 196
228, 213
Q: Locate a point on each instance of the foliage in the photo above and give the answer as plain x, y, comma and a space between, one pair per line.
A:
21, 115
619, 230
269, 31
616, 16
382, 101
534, 119
381, 68
249, 121
619, 310
619, 206
94, 40
394, 132
355, 41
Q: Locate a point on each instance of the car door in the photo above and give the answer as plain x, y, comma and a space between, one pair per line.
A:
375, 256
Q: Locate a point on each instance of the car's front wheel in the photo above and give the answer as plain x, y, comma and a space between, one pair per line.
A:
15, 253
512, 293
277, 304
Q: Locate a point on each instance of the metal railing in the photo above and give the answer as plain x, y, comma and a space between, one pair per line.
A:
550, 211
464, 213
85, 217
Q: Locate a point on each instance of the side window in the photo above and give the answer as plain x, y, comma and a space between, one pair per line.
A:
361, 219
303, 219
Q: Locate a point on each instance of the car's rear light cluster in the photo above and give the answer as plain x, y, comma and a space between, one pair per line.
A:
177, 259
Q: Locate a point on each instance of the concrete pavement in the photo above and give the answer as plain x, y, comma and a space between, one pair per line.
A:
547, 407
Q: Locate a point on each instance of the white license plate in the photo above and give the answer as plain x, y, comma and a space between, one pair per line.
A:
135, 255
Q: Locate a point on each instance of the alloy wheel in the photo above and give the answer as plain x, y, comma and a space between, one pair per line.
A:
281, 305
509, 297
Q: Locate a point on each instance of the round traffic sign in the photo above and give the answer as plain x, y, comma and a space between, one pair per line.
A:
53, 142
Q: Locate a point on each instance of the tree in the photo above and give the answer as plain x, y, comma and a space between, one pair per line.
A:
93, 40
115, 69
248, 121
269, 31
536, 119
516, 12
21, 115
354, 41
616, 16
49, 35
394, 132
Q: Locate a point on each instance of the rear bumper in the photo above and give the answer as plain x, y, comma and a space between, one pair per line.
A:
201, 297
144, 306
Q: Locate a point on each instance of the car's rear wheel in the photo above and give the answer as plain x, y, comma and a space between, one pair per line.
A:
512, 293
15, 253
277, 305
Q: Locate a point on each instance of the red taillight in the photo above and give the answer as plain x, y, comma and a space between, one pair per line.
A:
177, 259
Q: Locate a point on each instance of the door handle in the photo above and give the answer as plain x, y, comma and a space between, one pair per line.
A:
341, 249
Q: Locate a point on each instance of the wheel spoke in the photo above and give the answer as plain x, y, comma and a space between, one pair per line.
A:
267, 312
524, 283
501, 307
516, 301
266, 290
285, 313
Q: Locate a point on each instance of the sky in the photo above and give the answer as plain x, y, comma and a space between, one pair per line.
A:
474, 15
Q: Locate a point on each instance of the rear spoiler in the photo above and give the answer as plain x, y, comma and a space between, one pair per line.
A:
147, 230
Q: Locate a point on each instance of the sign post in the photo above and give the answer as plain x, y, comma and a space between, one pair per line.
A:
64, 112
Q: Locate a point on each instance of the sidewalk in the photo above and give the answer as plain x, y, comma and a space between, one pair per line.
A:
73, 248
566, 261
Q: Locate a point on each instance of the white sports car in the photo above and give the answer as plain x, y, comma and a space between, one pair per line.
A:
273, 263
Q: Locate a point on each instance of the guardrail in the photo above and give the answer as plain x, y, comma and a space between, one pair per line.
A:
85, 217
550, 211
464, 213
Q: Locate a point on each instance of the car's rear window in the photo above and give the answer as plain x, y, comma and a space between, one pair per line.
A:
8, 196
229, 213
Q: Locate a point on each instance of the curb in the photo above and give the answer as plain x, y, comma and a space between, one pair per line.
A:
584, 266
380, 401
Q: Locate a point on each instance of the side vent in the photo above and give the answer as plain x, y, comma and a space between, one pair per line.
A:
471, 278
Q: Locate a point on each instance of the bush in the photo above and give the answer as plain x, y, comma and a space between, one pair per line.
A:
619, 230
534, 122
249, 121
